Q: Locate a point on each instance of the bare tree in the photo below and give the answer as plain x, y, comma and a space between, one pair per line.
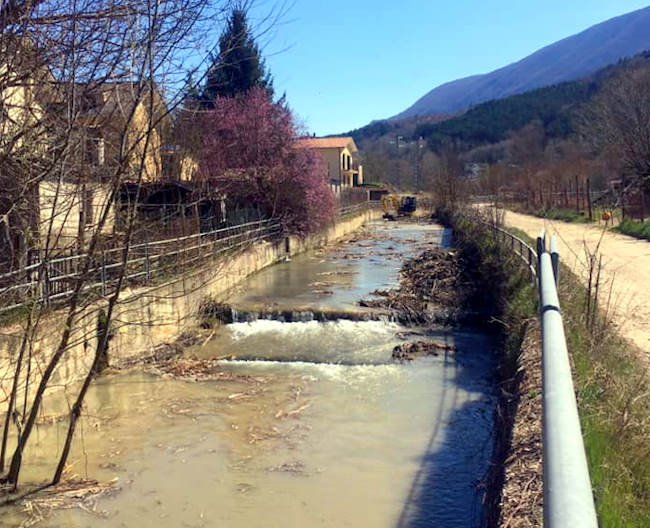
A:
618, 122
86, 88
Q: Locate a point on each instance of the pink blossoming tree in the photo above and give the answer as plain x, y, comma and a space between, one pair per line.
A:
249, 154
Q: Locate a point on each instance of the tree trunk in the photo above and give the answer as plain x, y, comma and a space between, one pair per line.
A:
14, 392
99, 363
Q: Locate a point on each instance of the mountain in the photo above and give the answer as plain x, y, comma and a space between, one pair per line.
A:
571, 58
553, 108
492, 121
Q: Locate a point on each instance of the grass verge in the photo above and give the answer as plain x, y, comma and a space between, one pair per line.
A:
613, 402
634, 229
565, 215
613, 398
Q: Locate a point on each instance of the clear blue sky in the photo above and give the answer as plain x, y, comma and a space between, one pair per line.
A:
345, 63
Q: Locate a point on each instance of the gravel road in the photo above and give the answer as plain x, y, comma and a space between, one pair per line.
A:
626, 263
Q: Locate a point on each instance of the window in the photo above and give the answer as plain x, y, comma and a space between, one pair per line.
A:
94, 149
87, 205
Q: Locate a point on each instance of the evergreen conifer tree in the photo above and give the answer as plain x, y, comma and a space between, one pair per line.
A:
238, 66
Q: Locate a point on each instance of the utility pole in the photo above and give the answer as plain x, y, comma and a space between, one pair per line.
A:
398, 138
418, 163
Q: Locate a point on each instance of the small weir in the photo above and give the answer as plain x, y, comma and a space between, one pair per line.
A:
318, 425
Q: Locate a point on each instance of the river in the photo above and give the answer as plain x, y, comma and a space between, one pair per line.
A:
320, 427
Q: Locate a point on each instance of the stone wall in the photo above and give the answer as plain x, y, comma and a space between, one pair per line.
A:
146, 317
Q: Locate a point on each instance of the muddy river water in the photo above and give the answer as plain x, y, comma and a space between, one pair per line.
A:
324, 429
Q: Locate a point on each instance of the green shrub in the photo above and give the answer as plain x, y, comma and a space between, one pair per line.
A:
634, 228
565, 215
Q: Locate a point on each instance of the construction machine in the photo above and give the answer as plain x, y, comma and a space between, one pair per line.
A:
395, 207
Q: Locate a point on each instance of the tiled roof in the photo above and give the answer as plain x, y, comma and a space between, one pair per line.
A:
326, 142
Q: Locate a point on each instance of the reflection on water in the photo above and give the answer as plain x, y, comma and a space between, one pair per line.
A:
341, 276
325, 430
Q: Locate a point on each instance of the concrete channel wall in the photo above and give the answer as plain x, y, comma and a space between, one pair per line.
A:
149, 316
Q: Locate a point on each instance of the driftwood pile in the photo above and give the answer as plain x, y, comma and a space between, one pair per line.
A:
431, 283
74, 493
197, 369
410, 351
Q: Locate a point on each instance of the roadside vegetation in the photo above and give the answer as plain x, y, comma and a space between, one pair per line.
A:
564, 215
634, 229
613, 401
613, 392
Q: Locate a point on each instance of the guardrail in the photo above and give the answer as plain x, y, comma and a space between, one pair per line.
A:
568, 495
361, 206
525, 252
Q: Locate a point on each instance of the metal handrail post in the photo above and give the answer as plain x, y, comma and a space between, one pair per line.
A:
147, 264
103, 273
541, 246
555, 259
568, 499
541, 249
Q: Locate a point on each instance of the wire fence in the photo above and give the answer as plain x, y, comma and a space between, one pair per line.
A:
47, 281
51, 280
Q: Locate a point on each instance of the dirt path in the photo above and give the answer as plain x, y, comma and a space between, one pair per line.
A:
626, 271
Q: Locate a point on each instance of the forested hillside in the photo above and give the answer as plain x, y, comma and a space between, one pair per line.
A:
492, 121
555, 107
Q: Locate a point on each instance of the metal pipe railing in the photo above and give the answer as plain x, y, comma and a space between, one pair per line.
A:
568, 495
568, 499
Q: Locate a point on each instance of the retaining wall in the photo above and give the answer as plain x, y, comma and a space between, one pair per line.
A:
146, 317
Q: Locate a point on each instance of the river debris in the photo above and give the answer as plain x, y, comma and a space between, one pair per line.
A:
520, 502
432, 287
281, 414
73, 493
198, 369
295, 467
408, 334
166, 351
410, 351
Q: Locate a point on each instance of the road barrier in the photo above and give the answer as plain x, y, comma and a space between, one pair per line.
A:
568, 495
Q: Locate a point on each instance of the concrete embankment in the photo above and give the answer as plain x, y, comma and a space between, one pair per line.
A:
148, 316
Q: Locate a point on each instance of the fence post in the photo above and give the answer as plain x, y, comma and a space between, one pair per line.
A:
147, 269
591, 213
46, 282
541, 246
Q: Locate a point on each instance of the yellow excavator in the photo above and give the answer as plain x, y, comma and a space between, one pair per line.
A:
395, 207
